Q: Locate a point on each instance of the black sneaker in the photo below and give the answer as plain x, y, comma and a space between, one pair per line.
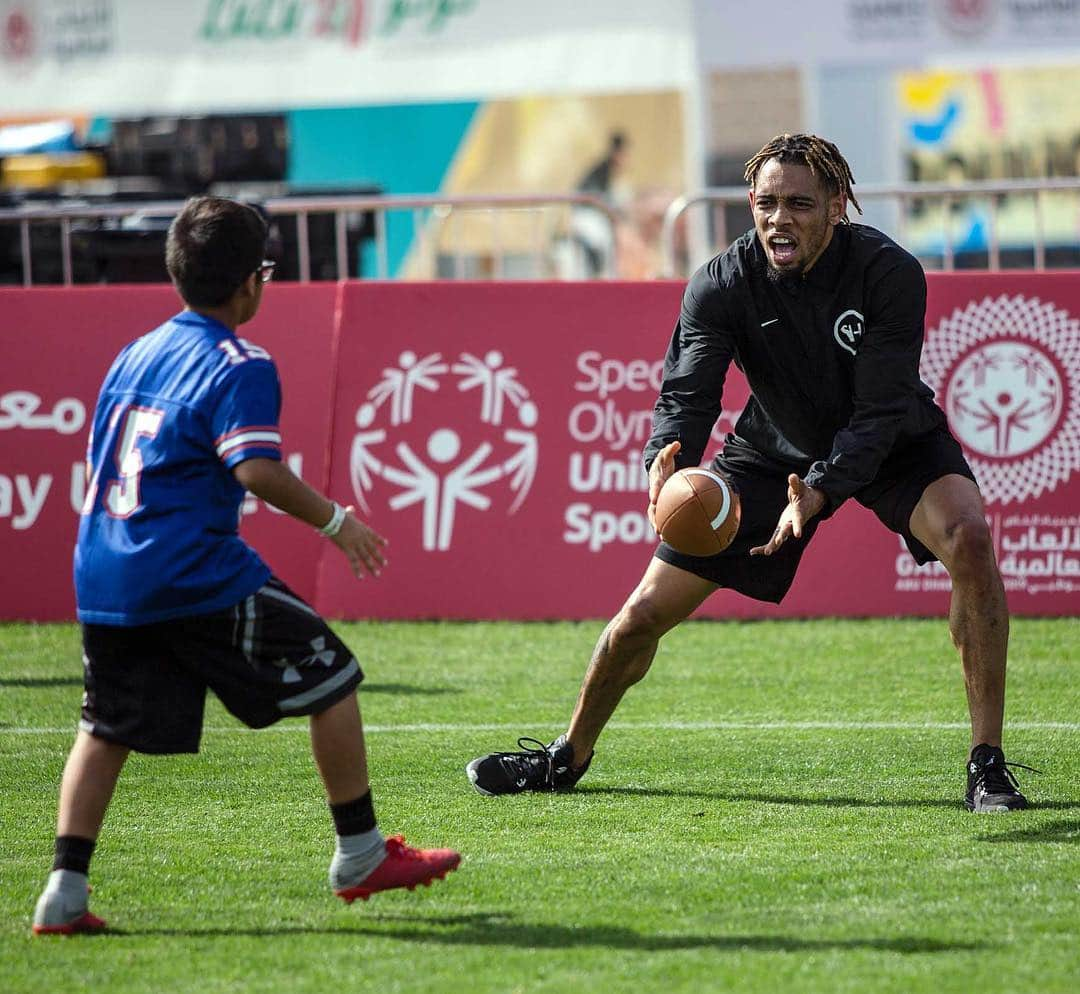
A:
991, 785
545, 767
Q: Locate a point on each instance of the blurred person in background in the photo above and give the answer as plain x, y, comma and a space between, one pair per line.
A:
592, 233
601, 176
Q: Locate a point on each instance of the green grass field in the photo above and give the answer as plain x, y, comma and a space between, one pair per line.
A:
776, 808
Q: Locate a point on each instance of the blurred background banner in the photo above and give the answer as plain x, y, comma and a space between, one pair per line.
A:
895, 32
493, 432
1007, 123
129, 56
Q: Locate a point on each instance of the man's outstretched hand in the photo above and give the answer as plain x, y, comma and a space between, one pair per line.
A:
661, 469
803, 503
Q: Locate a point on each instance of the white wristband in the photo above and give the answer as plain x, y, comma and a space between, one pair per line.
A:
337, 519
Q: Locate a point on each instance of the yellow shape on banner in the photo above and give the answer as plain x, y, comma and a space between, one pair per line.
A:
923, 92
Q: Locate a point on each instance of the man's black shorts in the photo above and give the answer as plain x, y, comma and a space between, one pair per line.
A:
762, 487
267, 657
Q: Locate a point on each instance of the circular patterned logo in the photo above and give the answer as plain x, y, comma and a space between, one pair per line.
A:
1009, 370
1005, 398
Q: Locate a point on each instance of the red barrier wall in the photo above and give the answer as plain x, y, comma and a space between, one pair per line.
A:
493, 433
472, 476
57, 346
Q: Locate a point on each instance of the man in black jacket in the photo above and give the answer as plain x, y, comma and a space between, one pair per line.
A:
825, 318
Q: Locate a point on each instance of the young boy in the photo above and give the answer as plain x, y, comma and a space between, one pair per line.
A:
173, 602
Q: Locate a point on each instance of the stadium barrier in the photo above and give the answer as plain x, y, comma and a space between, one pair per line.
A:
514, 236
493, 431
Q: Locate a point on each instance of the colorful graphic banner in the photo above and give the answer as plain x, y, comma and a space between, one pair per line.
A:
493, 433
992, 124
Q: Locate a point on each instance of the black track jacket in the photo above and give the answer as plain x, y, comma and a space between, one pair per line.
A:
832, 359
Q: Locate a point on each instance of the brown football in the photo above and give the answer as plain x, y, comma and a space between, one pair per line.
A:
697, 512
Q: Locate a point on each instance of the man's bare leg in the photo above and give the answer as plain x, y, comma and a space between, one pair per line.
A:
951, 522
664, 597
624, 652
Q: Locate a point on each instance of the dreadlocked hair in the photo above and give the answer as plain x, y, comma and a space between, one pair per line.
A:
821, 157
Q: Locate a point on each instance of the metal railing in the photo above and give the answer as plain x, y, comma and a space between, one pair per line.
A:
446, 235
910, 202
515, 225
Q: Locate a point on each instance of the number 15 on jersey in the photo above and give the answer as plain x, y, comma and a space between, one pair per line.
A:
137, 424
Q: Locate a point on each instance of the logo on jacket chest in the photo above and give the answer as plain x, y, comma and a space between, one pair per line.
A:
848, 331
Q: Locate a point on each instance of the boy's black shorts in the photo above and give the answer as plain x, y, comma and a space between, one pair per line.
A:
269, 656
762, 487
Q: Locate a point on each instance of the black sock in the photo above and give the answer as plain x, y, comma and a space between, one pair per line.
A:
354, 817
73, 852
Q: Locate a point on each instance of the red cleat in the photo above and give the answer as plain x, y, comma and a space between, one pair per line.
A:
405, 867
86, 922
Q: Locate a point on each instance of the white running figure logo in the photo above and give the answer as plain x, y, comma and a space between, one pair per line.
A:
398, 384
439, 484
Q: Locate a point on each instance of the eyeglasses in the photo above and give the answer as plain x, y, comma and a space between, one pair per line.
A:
265, 272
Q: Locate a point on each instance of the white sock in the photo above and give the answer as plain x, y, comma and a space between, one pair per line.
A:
356, 856
68, 882
65, 897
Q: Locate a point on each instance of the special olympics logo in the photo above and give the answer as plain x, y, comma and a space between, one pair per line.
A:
1009, 371
441, 466
1004, 398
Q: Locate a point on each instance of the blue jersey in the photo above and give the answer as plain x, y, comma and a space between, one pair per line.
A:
158, 537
